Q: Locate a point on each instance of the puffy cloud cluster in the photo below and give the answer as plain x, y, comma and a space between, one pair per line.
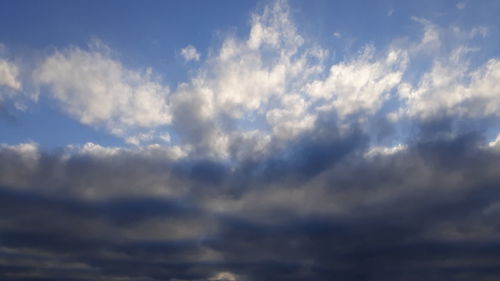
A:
270, 88
362, 85
98, 90
451, 88
253, 81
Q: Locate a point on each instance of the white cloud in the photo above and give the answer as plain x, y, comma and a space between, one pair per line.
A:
452, 88
291, 119
99, 91
9, 73
173, 152
248, 73
361, 85
140, 138
430, 41
274, 28
10, 84
384, 150
190, 53
95, 150
13, 90
147, 137
494, 144
461, 5
224, 276
251, 78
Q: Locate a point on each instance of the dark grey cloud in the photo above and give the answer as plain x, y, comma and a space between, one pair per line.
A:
319, 209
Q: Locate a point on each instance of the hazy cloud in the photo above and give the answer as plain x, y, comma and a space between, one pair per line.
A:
9, 75
190, 53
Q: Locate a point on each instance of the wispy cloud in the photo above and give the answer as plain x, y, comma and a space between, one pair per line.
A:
190, 53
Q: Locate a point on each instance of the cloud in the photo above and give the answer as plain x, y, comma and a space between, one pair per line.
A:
361, 85
461, 5
190, 53
275, 76
321, 209
10, 83
495, 144
99, 91
239, 83
224, 276
381, 150
452, 88
9, 73
16, 91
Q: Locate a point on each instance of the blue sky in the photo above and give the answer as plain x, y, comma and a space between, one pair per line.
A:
249, 140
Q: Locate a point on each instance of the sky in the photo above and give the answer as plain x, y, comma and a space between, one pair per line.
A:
249, 140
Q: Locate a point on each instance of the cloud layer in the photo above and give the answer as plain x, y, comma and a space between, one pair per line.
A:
323, 210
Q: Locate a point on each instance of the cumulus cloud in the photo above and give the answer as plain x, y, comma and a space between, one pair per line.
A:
98, 90
452, 88
190, 53
361, 85
239, 82
275, 76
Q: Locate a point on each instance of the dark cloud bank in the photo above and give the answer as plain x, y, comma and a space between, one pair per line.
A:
318, 210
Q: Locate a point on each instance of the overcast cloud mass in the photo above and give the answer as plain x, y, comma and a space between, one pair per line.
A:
250, 141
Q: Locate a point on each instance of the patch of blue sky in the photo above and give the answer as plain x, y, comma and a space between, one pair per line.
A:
50, 128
